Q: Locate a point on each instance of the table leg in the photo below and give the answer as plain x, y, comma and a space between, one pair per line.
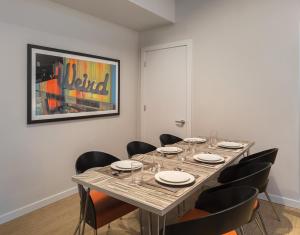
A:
164, 224
156, 227
149, 223
85, 210
141, 221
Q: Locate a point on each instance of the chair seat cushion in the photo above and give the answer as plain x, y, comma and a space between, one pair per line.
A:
256, 204
233, 232
108, 208
197, 214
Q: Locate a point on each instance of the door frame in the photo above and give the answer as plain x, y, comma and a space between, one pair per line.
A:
189, 44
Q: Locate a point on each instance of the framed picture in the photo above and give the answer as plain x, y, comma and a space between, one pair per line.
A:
65, 85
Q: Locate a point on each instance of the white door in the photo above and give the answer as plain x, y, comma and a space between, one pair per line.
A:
165, 93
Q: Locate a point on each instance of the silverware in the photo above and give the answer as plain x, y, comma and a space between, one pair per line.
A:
115, 173
178, 169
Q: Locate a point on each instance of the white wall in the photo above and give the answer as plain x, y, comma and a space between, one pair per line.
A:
163, 8
245, 76
37, 161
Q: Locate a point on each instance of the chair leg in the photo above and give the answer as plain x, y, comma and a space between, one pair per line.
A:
79, 222
85, 209
272, 205
259, 226
95, 231
262, 221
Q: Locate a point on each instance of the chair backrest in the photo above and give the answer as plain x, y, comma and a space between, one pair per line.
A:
233, 207
253, 174
93, 159
263, 156
138, 147
166, 139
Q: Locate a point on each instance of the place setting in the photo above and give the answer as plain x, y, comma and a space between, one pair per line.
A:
207, 159
194, 140
214, 142
230, 145
122, 168
170, 181
169, 150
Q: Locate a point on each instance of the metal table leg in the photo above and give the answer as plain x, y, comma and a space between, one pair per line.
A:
85, 210
154, 224
141, 221
164, 224
149, 224
157, 225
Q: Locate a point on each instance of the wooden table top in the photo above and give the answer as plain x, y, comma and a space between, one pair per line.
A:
151, 196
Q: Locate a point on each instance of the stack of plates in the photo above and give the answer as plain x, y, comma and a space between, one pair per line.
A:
169, 150
125, 165
194, 140
209, 158
174, 177
230, 145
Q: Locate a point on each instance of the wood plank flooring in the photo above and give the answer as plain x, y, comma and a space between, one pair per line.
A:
61, 217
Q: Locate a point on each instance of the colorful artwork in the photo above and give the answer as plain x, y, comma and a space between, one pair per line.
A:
65, 85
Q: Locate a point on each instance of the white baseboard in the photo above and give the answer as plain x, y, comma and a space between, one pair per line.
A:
282, 200
36, 205
53, 198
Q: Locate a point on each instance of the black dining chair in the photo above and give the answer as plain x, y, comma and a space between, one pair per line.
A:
101, 208
254, 174
268, 155
221, 211
264, 156
138, 147
166, 139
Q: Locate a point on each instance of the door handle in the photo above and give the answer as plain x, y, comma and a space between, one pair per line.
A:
180, 122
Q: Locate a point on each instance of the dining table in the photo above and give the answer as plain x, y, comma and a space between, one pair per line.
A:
156, 200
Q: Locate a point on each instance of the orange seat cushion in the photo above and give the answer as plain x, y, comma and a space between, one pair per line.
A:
256, 204
108, 208
233, 232
197, 214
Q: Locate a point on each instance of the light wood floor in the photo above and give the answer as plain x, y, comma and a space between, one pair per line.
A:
61, 218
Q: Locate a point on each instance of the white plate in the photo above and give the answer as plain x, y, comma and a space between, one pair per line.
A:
208, 158
189, 181
174, 176
194, 140
169, 150
125, 165
229, 144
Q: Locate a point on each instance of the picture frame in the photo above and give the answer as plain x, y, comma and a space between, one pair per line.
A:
66, 85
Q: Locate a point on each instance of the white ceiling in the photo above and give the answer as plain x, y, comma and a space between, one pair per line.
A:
122, 12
